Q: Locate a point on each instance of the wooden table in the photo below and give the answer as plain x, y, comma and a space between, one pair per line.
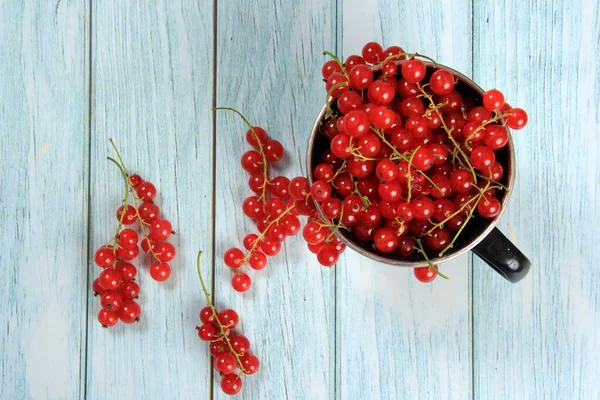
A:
74, 73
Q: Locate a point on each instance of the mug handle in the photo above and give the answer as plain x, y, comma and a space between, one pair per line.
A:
503, 256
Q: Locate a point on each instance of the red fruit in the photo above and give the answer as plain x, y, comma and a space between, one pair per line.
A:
109, 279
275, 207
442, 82
327, 255
360, 168
493, 100
479, 114
352, 61
314, 233
164, 251
147, 244
336, 79
207, 316
413, 70
130, 290
145, 191
105, 257
129, 217
207, 332
107, 317
349, 101
461, 181
405, 212
386, 240
250, 364
496, 137
271, 248
423, 207
517, 118
218, 347
231, 384
299, 188
406, 246
240, 344
233, 257
357, 124
251, 161
320, 190
390, 192
361, 76
241, 282
273, 151
148, 212
257, 260
160, 271
128, 238
135, 180
111, 300
291, 224
369, 145
229, 318
482, 157
128, 253
381, 93
249, 241
127, 271
411, 106
369, 215
438, 239
372, 53
279, 187
340, 145
331, 208
423, 158
364, 233
425, 274
130, 312
489, 207
329, 68
225, 363
255, 135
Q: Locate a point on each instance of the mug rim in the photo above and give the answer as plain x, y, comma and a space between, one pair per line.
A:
403, 263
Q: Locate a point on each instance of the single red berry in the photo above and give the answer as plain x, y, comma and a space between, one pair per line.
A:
369, 145
207, 332
440, 153
231, 384
386, 170
299, 188
225, 363
128, 238
241, 282
423, 207
496, 137
406, 246
160, 272
218, 347
442, 209
127, 271
146, 191
394, 53
279, 187
130, 312
389, 68
107, 317
442, 82
276, 232
135, 180
329, 67
164, 251
438, 239
273, 151
149, 212
250, 364
441, 186
240, 344
207, 316
517, 118
331, 208
233, 257
291, 223
381, 93
256, 182
129, 217
372, 53
411, 106
271, 248
320, 190
314, 233
128, 253
405, 212
256, 135
482, 157
336, 79
349, 101
111, 300
257, 260
253, 207
98, 290
479, 114
360, 168
361, 76
130, 290
461, 181
352, 61
357, 124
493, 100
327, 255
147, 244
386, 240
423, 158
105, 257
340, 145
250, 240
489, 207
413, 70
109, 279
229, 318
275, 207
425, 274
251, 161
390, 191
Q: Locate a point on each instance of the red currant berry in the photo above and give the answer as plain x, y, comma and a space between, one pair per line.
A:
251, 161
423, 158
270, 248
111, 300
105, 257
107, 317
291, 224
489, 207
413, 71
207, 316
160, 272
423, 207
369, 145
240, 344
344, 184
327, 255
148, 212
389, 68
135, 180
336, 79
331, 208
340, 145
361, 77
164, 251
233, 257
441, 186
279, 187
229, 318
129, 217
352, 61
349, 101
275, 207
406, 246
257, 260
109, 279
517, 118
482, 157
160, 229
360, 168
357, 124
128, 253
241, 282
250, 364
147, 244
411, 106
218, 347
453, 102
256, 135
461, 181
273, 151
329, 68
381, 93
320, 190
299, 188
130, 290
313, 233
438, 239
128, 238
386, 240
497, 137
479, 114
407, 89
127, 271
493, 100
231, 384
390, 192
372, 53
442, 82
225, 363
207, 332
364, 233
250, 240
130, 312
442, 209
369, 215
425, 274
146, 191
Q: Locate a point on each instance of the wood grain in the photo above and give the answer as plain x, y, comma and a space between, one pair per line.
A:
269, 56
43, 176
399, 338
152, 90
539, 339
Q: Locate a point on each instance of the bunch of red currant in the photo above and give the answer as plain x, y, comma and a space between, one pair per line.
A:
230, 350
116, 283
411, 153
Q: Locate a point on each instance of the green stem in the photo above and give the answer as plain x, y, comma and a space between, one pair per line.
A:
125, 199
409, 175
421, 250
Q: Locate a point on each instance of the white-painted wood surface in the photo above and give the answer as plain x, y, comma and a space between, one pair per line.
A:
73, 74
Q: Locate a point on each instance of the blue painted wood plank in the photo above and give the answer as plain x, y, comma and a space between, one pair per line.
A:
43, 206
152, 92
539, 339
399, 338
269, 59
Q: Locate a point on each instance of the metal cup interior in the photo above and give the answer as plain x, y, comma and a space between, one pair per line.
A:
477, 227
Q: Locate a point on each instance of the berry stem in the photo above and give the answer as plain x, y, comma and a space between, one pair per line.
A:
421, 250
409, 183
496, 118
125, 199
214, 311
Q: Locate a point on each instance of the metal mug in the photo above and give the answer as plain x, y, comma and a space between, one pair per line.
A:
481, 235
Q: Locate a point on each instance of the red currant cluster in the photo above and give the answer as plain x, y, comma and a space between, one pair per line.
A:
274, 214
230, 350
116, 283
410, 153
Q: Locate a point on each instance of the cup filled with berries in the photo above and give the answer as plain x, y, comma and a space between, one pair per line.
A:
411, 163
